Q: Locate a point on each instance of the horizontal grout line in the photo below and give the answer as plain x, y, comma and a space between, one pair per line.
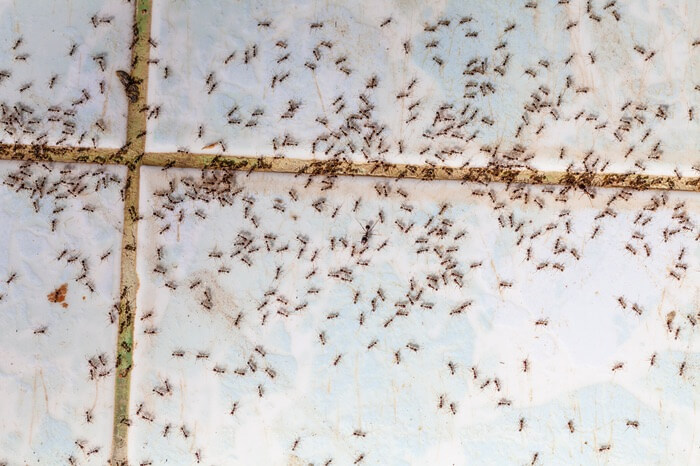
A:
424, 172
36, 153
341, 168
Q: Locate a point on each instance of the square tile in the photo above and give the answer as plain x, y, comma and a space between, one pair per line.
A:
295, 320
535, 84
58, 80
61, 227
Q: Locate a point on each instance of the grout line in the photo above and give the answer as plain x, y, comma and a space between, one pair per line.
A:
379, 169
61, 154
129, 283
133, 156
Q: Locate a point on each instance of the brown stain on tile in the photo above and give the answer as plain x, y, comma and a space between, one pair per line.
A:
59, 295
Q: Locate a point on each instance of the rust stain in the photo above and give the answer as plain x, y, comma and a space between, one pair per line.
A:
46, 392
59, 295
31, 422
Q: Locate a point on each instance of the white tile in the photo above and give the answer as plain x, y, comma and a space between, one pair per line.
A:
58, 63
213, 285
58, 326
252, 90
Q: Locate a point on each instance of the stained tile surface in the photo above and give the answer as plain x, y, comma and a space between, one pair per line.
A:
59, 279
292, 320
601, 86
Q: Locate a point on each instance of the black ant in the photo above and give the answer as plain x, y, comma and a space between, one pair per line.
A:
367, 232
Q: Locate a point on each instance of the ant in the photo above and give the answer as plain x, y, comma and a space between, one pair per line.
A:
367, 232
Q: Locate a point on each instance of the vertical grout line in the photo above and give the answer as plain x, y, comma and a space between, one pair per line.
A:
136, 89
